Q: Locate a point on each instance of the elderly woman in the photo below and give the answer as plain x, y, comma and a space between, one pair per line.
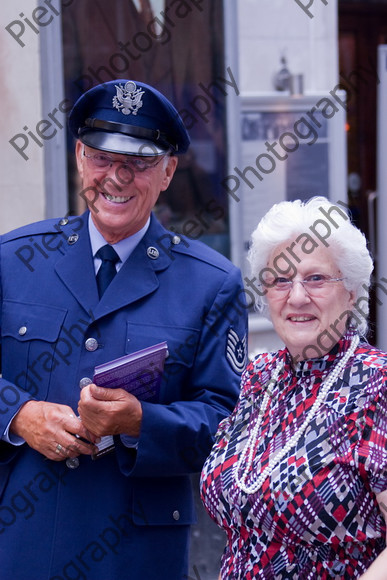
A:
298, 472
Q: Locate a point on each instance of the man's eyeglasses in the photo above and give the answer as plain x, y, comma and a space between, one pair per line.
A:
313, 284
130, 165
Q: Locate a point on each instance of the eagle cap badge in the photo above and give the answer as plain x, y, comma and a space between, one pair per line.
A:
128, 98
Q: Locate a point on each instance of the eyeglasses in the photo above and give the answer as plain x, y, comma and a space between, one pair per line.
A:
313, 284
129, 166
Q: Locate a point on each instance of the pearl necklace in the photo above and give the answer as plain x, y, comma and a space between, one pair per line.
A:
253, 438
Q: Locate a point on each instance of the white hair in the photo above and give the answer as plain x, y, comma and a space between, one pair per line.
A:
325, 224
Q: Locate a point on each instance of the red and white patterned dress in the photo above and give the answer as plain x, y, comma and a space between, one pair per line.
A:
316, 515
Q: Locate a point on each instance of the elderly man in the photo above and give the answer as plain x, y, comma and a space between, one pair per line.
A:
99, 286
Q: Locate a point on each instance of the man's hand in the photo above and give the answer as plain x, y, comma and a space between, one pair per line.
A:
52, 429
110, 411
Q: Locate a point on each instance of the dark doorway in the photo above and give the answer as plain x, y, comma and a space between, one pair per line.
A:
362, 27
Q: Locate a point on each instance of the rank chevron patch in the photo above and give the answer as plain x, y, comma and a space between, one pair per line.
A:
236, 351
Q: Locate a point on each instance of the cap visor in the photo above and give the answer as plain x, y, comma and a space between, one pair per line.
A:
119, 143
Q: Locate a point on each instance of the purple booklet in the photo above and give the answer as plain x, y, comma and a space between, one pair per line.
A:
139, 373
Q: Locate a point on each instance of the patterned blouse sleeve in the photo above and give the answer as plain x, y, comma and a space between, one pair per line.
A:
372, 448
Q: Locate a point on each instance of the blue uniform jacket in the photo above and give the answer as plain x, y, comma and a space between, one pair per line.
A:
125, 515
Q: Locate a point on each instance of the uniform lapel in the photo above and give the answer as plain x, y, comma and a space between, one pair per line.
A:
138, 277
76, 268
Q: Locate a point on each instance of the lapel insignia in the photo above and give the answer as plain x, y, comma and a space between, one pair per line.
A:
236, 351
128, 98
72, 239
152, 253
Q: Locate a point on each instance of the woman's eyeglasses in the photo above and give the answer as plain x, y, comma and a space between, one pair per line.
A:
313, 284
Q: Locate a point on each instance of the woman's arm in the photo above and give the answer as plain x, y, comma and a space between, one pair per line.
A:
378, 569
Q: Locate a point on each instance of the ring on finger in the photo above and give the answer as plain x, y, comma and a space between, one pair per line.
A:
59, 448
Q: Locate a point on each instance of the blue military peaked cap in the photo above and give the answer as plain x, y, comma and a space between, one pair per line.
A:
129, 117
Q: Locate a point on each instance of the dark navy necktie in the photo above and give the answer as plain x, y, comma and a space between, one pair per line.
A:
107, 270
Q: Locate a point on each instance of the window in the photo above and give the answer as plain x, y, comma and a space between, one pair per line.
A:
178, 47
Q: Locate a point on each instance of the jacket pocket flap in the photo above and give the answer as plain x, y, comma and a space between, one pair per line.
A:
182, 342
25, 322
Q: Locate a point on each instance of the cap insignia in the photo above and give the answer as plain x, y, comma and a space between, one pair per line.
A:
128, 98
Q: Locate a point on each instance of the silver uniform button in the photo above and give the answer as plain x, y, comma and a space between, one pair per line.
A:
176, 515
176, 240
91, 344
84, 382
72, 462
63, 222
22, 330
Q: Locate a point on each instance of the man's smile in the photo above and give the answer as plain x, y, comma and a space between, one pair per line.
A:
116, 198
